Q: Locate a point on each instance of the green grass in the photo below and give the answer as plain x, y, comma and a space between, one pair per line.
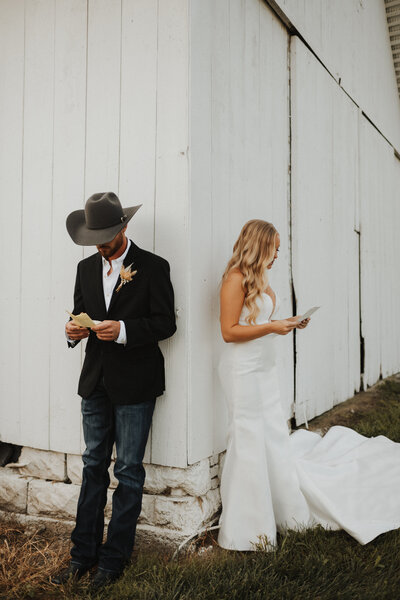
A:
315, 564
311, 565
385, 418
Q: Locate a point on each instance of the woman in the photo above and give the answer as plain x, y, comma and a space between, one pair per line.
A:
272, 480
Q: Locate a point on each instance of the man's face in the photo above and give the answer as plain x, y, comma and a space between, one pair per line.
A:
110, 248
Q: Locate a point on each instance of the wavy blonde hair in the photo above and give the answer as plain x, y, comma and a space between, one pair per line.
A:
253, 251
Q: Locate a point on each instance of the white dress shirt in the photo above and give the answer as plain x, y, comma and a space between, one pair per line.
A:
109, 282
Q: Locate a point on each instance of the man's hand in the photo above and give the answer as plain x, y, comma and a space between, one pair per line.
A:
107, 330
74, 332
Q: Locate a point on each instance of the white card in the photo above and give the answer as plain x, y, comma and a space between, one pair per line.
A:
308, 313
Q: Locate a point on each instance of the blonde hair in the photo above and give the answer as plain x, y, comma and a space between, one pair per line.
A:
253, 251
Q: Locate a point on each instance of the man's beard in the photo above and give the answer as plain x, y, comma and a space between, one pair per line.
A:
106, 251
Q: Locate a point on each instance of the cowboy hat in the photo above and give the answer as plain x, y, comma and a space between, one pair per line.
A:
100, 221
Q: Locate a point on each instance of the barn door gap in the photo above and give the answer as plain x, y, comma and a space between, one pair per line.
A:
294, 312
362, 341
290, 232
378, 130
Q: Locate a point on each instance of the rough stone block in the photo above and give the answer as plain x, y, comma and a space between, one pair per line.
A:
147, 513
43, 464
188, 513
74, 468
214, 460
57, 500
221, 463
195, 480
214, 471
214, 483
13, 491
178, 492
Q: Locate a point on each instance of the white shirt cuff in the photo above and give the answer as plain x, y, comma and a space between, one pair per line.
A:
121, 339
72, 342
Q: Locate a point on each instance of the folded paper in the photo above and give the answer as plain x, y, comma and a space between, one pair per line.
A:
83, 320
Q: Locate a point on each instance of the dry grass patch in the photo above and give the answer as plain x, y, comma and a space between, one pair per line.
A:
28, 556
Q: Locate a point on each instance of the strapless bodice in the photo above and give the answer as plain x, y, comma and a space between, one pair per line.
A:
267, 309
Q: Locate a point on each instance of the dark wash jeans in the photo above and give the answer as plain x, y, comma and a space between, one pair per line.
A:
104, 423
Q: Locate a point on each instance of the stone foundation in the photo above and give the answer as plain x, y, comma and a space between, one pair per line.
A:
44, 486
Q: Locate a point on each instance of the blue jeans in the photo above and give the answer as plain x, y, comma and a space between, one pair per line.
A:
128, 426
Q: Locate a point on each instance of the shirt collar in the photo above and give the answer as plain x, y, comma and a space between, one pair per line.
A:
118, 260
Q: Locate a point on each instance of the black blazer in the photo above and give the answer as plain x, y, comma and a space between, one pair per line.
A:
134, 372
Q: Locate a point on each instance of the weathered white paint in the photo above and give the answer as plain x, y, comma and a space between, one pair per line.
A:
380, 252
105, 108
11, 127
169, 440
137, 120
67, 193
184, 105
36, 227
324, 242
351, 38
239, 159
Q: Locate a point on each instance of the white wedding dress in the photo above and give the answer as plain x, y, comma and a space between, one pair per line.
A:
275, 481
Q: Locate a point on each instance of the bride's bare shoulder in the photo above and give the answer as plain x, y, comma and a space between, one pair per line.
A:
234, 276
232, 283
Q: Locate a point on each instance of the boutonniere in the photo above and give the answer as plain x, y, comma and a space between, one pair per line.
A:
126, 276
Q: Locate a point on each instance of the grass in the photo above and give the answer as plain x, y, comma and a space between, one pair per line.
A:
311, 565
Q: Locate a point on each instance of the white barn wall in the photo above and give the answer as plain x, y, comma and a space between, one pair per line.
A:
94, 98
184, 105
324, 240
11, 126
138, 105
68, 189
36, 232
239, 161
380, 253
169, 429
351, 38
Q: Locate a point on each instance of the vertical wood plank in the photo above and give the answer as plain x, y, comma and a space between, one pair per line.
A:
169, 431
220, 205
102, 103
274, 183
379, 251
68, 194
11, 141
103, 97
138, 115
237, 50
325, 256
37, 222
370, 189
138, 121
201, 333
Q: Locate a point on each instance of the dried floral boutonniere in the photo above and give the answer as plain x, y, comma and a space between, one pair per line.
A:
126, 276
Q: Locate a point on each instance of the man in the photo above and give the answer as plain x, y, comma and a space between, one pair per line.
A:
129, 291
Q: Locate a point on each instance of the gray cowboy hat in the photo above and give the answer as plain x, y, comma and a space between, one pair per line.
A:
100, 221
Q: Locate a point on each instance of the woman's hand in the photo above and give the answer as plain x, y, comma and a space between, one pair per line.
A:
303, 324
284, 326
